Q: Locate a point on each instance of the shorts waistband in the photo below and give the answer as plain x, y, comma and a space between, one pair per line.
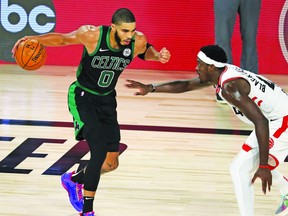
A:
91, 91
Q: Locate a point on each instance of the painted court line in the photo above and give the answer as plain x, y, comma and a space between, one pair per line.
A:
131, 127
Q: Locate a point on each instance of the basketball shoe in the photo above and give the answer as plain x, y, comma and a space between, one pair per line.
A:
87, 214
283, 207
74, 191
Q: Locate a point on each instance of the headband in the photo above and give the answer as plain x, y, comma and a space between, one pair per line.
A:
201, 55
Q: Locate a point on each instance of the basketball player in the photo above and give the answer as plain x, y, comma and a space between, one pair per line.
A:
254, 99
108, 50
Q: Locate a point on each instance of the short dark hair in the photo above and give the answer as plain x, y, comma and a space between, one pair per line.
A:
123, 15
215, 52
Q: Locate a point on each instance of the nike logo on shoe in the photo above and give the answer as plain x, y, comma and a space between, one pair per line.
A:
103, 50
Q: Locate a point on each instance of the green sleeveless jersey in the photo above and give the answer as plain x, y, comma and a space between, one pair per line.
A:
99, 71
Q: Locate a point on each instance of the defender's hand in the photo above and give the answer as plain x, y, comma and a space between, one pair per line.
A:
143, 89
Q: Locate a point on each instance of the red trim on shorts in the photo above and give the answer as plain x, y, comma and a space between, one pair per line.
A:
283, 127
254, 98
246, 147
271, 143
259, 103
276, 161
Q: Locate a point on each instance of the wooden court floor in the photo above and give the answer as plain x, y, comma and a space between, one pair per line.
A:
177, 163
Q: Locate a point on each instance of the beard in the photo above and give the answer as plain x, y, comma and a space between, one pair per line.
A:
118, 41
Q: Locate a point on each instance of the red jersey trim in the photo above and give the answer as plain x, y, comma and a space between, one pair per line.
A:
220, 78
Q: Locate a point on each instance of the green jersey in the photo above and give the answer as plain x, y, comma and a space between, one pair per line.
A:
99, 71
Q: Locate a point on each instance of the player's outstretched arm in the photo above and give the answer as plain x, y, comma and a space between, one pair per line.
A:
177, 86
51, 39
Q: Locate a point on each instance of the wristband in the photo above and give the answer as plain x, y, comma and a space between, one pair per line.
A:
264, 166
142, 55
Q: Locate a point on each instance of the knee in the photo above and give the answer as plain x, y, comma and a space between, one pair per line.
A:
236, 168
108, 167
239, 168
233, 168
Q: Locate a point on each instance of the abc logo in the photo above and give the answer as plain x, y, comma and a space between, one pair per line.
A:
19, 18
283, 30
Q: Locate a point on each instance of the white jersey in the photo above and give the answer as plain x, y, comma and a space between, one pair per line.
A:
270, 98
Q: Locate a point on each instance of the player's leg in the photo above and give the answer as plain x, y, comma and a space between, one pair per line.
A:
112, 161
77, 179
279, 180
249, 12
112, 136
103, 136
240, 170
73, 185
282, 184
278, 155
103, 140
275, 159
87, 124
98, 151
225, 15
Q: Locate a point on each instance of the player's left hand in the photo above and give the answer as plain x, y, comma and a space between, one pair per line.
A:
164, 55
266, 178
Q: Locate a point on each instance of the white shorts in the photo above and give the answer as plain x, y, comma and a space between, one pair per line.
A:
278, 142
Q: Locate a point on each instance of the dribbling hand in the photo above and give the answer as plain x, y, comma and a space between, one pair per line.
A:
17, 43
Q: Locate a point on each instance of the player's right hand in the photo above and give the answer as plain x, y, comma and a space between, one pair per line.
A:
17, 43
143, 89
266, 178
164, 55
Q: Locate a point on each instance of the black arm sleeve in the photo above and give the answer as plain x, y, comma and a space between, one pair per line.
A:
142, 55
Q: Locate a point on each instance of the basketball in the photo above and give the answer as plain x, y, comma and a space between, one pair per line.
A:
30, 54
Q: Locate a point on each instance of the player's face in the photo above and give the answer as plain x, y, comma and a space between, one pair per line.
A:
202, 71
124, 33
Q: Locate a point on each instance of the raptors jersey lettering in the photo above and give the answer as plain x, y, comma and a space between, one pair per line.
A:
98, 72
270, 98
